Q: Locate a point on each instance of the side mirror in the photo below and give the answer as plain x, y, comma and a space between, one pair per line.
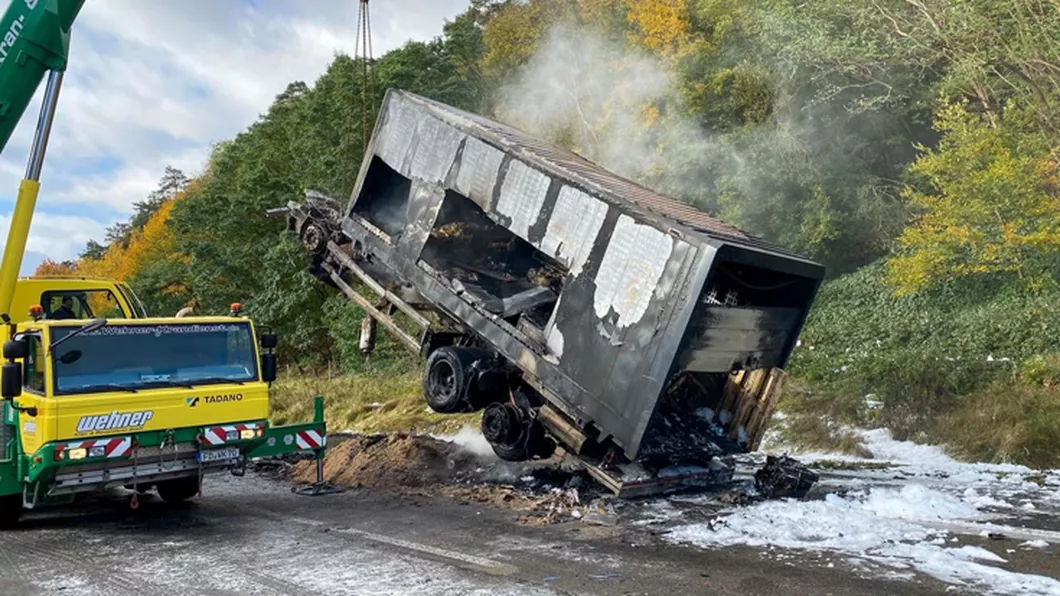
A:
268, 367
15, 349
11, 380
269, 341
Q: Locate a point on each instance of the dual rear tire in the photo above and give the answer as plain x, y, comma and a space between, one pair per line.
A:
460, 380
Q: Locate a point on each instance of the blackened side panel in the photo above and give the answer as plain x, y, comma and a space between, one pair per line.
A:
612, 320
632, 388
667, 344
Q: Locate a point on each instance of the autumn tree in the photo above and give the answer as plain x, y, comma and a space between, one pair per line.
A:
49, 267
988, 203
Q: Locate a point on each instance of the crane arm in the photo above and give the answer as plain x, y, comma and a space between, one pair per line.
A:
34, 40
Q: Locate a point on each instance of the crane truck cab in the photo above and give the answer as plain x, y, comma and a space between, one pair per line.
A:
91, 298
137, 403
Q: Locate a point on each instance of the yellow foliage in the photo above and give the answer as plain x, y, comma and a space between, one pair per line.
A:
513, 35
663, 26
154, 242
54, 268
989, 205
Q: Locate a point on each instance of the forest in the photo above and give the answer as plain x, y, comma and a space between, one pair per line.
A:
911, 146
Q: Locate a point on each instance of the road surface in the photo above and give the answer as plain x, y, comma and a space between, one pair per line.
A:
911, 521
251, 535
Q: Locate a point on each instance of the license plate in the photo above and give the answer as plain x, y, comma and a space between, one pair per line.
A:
219, 454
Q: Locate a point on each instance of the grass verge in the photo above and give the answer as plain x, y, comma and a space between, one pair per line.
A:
364, 403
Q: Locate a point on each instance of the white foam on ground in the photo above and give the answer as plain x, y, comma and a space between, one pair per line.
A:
879, 525
1000, 486
899, 517
471, 440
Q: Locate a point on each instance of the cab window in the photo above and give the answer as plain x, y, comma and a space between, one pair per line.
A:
33, 367
82, 304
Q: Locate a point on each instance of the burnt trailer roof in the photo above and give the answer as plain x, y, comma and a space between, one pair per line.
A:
650, 205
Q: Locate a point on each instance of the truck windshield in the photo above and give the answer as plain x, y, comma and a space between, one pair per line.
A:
134, 357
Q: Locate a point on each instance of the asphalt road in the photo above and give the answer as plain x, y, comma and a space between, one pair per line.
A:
251, 535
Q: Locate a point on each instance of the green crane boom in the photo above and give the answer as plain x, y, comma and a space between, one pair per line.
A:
35, 40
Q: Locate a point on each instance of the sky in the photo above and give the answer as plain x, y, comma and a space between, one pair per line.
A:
156, 83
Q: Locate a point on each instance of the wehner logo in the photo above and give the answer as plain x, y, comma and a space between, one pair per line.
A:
113, 421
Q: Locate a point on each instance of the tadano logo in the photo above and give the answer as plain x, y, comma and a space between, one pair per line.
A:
114, 421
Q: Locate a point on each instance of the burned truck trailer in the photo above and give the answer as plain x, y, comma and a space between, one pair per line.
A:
568, 303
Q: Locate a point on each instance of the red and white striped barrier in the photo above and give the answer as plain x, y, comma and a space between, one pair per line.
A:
219, 435
309, 439
118, 447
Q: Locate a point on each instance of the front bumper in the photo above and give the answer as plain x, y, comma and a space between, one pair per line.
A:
143, 459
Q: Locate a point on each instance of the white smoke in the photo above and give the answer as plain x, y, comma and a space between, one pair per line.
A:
597, 97
471, 440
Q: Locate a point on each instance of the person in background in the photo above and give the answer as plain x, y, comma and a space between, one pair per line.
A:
190, 310
66, 311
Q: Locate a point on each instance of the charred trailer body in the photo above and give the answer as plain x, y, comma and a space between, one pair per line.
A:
644, 336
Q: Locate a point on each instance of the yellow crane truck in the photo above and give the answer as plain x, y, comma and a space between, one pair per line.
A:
95, 394
136, 403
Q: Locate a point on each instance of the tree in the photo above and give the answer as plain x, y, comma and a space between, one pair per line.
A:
48, 267
92, 250
173, 182
988, 202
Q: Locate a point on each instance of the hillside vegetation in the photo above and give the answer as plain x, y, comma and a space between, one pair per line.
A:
913, 147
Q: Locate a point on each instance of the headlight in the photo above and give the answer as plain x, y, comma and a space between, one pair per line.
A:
231, 435
80, 453
247, 434
98, 451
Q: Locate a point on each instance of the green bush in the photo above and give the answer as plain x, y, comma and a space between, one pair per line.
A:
933, 358
343, 321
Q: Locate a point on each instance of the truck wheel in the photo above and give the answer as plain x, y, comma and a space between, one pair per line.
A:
10, 511
513, 436
446, 379
178, 489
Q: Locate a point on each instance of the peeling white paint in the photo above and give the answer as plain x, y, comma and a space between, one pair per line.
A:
555, 341
630, 271
436, 147
573, 227
479, 167
522, 196
396, 135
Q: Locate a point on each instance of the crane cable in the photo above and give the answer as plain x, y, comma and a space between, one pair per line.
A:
363, 52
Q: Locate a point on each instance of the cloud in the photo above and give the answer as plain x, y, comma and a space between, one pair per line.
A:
51, 235
157, 83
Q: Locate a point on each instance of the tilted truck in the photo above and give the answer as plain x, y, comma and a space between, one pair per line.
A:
572, 306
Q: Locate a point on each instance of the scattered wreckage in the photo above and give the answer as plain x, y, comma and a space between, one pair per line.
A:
571, 306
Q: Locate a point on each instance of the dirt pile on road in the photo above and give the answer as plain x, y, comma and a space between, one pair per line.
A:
397, 461
420, 464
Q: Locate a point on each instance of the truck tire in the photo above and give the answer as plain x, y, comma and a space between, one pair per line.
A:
178, 489
447, 379
10, 511
513, 435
